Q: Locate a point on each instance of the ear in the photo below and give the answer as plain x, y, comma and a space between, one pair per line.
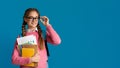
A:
25, 19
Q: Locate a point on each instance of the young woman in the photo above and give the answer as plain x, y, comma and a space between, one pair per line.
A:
31, 20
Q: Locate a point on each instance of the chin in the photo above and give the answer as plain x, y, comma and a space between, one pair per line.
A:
34, 26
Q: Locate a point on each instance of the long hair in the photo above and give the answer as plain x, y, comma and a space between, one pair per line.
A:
27, 12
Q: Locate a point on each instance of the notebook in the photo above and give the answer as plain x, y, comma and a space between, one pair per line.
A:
28, 52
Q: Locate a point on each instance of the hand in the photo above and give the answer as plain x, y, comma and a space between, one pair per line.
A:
44, 20
35, 58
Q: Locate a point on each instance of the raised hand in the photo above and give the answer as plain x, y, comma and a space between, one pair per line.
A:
44, 20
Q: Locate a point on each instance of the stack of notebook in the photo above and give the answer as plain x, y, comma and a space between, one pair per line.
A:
28, 47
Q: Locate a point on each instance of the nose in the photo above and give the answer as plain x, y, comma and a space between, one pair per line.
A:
34, 19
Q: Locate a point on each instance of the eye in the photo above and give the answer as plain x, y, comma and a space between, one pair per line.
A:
36, 18
29, 17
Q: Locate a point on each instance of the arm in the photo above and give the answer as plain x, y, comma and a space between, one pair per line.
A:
52, 36
17, 59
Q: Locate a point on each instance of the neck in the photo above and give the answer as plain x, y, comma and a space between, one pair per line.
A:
31, 29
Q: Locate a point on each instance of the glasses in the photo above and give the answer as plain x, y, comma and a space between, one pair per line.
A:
33, 18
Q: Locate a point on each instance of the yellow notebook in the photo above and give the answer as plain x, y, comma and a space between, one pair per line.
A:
28, 52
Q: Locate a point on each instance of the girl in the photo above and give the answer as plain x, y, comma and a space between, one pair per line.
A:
30, 19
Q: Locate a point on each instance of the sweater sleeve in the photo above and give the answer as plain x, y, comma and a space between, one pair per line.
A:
52, 36
17, 59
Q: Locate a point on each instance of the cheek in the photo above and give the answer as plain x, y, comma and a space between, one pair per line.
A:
36, 22
28, 22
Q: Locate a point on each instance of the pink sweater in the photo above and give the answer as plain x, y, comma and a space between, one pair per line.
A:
52, 37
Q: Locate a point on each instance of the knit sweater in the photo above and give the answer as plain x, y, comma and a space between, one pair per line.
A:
52, 37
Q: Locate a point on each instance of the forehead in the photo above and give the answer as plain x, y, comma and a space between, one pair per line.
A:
33, 14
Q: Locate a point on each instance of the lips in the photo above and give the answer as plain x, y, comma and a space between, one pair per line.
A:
33, 23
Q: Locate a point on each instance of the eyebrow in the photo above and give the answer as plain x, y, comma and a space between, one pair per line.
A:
32, 16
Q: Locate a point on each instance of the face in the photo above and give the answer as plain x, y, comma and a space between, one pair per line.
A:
32, 19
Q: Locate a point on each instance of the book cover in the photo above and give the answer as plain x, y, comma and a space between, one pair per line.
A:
30, 39
28, 52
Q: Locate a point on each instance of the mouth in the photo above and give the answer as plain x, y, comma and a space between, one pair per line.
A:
33, 23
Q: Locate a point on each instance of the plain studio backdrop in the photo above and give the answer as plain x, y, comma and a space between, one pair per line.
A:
89, 30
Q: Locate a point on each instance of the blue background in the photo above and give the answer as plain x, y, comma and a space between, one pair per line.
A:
89, 29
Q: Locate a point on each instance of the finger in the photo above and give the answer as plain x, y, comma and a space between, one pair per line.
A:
45, 17
45, 20
38, 53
